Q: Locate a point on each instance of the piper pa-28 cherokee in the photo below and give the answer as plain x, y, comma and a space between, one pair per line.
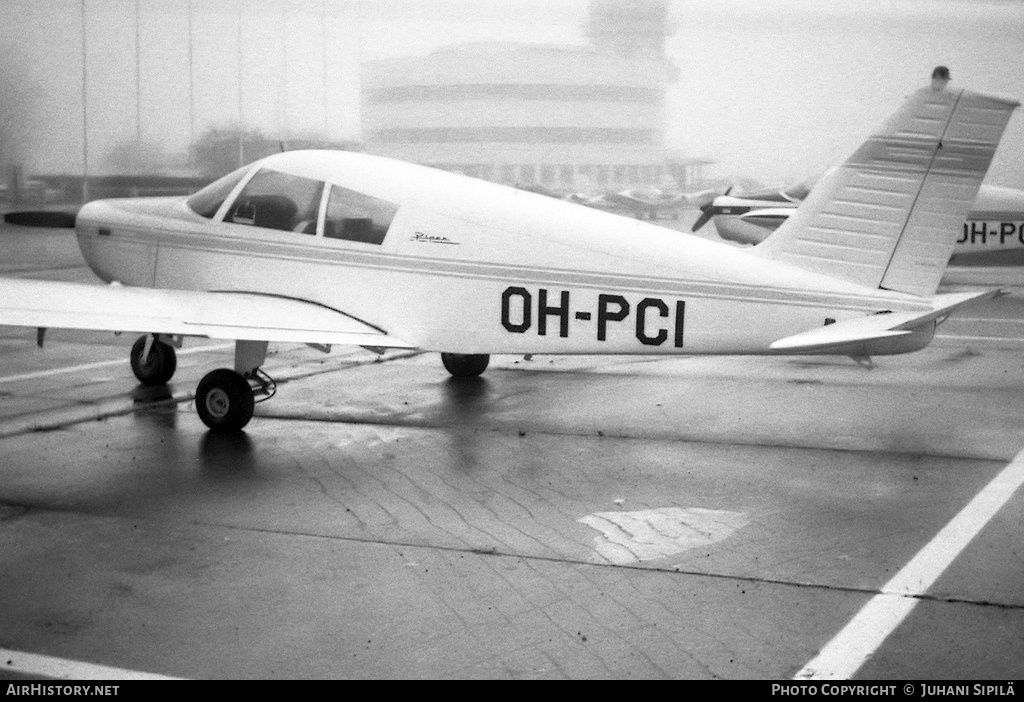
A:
346, 248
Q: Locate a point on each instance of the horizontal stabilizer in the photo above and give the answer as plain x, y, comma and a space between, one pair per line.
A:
856, 331
852, 333
218, 315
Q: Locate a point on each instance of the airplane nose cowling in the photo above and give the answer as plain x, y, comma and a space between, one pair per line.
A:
118, 238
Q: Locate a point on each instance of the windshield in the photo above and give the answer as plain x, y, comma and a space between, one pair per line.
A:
207, 201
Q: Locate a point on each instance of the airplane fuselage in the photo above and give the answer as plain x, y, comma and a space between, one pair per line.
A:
474, 267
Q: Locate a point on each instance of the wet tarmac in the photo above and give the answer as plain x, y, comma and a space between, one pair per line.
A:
559, 517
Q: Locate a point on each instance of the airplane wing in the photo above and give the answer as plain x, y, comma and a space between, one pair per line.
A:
768, 218
849, 334
631, 199
624, 198
596, 201
700, 198
218, 315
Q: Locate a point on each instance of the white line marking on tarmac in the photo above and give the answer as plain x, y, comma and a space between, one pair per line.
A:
866, 632
64, 669
100, 364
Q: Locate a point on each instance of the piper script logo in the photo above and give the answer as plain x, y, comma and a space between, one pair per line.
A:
432, 239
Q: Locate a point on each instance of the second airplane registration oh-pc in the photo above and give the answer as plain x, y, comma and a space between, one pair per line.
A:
325, 248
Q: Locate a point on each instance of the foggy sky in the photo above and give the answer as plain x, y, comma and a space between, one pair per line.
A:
771, 90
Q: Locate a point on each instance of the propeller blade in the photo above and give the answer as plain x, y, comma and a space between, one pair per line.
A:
42, 218
706, 213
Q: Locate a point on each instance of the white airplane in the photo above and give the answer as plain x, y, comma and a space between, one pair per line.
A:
728, 211
995, 222
649, 203
347, 248
646, 203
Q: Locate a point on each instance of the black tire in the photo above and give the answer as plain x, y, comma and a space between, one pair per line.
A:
462, 365
224, 400
158, 367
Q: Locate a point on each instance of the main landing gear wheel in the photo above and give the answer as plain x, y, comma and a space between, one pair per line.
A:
158, 367
224, 400
462, 365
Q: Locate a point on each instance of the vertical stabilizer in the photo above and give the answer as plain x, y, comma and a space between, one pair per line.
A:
890, 214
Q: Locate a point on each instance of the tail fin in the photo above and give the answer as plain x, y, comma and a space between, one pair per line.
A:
889, 216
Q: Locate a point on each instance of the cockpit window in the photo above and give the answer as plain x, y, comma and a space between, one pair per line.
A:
276, 200
207, 201
357, 217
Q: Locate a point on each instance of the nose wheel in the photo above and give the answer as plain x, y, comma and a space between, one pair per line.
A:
224, 400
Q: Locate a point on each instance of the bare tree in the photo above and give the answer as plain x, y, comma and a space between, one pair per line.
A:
138, 158
222, 149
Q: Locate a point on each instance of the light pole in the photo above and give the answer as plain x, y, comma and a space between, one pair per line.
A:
241, 113
138, 78
323, 39
191, 90
282, 106
85, 116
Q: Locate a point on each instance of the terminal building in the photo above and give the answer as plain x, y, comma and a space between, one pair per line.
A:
567, 118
